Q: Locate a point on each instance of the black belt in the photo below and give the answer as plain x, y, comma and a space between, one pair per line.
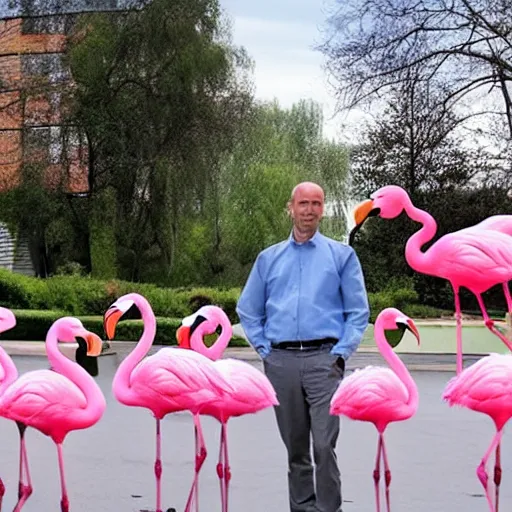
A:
304, 345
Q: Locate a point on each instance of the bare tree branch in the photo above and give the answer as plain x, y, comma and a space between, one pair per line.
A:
463, 44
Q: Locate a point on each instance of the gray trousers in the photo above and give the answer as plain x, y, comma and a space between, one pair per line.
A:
305, 382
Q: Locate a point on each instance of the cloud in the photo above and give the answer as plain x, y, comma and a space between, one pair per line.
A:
287, 66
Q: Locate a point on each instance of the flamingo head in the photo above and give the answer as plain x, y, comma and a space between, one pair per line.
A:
395, 323
114, 313
206, 320
69, 328
7, 319
387, 202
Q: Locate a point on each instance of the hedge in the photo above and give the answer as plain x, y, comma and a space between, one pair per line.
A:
32, 325
85, 297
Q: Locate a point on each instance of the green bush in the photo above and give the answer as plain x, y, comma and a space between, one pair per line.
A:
32, 325
400, 298
86, 296
19, 291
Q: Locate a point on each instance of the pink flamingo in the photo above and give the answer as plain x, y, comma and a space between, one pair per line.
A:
8, 370
380, 395
477, 258
55, 402
169, 381
486, 387
252, 391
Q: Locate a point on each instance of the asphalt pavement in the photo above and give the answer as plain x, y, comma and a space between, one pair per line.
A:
109, 467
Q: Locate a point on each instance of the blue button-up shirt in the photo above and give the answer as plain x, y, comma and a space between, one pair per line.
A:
299, 292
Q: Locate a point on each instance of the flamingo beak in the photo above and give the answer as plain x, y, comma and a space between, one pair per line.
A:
412, 327
94, 344
362, 211
183, 336
112, 316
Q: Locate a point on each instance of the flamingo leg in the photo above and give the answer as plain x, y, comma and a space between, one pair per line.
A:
376, 473
24, 490
220, 469
458, 318
64, 502
200, 456
506, 291
387, 473
497, 476
481, 471
158, 467
490, 324
227, 469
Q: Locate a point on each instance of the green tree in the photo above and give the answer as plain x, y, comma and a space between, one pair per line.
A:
162, 95
283, 147
414, 144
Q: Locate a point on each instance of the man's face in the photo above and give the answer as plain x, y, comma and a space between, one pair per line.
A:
307, 207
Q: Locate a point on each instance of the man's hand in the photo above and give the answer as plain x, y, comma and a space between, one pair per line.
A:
339, 366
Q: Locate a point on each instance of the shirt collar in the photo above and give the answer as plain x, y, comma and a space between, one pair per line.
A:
312, 241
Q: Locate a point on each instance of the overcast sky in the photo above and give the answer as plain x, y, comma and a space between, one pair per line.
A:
280, 36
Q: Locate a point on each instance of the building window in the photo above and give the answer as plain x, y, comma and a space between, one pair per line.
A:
44, 144
56, 146
37, 138
51, 25
50, 65
56, 16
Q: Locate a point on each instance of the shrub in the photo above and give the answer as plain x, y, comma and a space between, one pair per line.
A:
399, 298
32, 325
17, 290
86, 296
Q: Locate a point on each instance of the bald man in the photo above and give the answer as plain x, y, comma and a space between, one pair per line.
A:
304, 309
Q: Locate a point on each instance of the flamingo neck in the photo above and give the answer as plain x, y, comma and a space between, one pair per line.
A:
396, 364
72, 371
9, 369
417, 259
122, 379
217, 349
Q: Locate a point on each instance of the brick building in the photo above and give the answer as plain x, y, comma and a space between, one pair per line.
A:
34, 89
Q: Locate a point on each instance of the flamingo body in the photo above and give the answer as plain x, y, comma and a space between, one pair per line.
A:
374, 394
48, 402
172, 380
55, 402
501, 223
251, 393
475, 259
486, 387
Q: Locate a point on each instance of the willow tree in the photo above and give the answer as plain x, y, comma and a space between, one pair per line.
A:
161, 95
282, 147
